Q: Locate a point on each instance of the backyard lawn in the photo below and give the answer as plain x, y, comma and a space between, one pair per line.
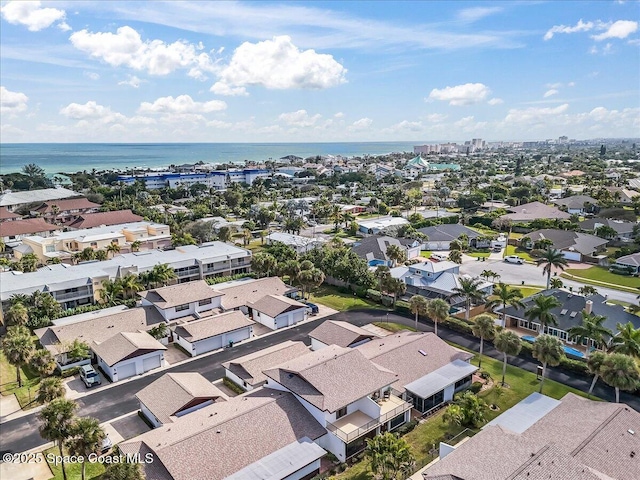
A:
8, 384
478, 254
393, 327
601, 274
331, 297
526, 291
429, 433
513, 250
74, 470
425, 253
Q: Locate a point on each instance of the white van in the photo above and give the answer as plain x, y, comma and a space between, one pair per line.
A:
440, 257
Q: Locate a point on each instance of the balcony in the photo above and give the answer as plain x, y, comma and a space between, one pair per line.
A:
352, 426
72, 295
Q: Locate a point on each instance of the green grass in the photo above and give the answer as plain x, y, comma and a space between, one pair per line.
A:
484, 230
516, 236
425, 253
513, 250
478, 254
74, 470
525, 290
9, 385
393, 327
331, 297
601, 274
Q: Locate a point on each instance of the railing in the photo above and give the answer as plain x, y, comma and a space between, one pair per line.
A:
72, 295
395, 412
347, 437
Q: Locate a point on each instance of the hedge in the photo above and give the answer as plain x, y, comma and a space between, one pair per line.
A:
457, 325
229, 278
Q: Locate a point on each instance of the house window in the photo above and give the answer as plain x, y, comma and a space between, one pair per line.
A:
206, 301
341, 413
182, 307
94, 244
50, 248
460, 383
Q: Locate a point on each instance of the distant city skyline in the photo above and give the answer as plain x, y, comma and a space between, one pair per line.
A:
196, 71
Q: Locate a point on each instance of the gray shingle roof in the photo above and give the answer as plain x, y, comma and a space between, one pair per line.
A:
173, 391
343, 334
448, 232
633, 260
179, 294
576, 201
212, 325
375, 247
125, 345
568, 240
274, 305
238, 294
533, 211
618, 225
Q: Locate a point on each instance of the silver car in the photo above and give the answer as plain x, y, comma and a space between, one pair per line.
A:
89, 376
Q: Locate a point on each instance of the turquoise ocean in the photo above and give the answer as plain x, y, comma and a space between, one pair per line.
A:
75, 157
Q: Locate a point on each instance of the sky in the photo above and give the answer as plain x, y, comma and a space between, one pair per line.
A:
200, 71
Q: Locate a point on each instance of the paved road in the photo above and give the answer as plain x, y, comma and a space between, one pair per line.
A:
22, 434
532, 275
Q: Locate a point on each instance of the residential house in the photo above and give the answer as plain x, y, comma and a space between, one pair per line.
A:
299, 243
624, 230
212, 332
439, 237
14, 231
239, 293
530, 441
575, 246
623, 196
430, 371
93, 327
568, 314
14, 200
126, 354
435, 280
578, 204
630, 263
184, 299
64, 211
248, 371
103, 219
346, 393
534, 211
374, 249
343, 334
277, 311
212, 443
376, 225
8, 216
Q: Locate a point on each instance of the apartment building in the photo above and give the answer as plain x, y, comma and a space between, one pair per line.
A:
216, 180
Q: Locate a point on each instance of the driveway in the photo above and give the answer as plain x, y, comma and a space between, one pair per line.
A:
76, 387
130, 426
174, 355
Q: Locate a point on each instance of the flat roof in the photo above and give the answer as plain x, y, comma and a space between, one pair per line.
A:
525, 413
444, 376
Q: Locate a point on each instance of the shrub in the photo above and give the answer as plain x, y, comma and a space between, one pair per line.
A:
457, 325
485, 375
374, 295
406, 428
231, 385
70, 372
387, 301
402, 306
229, 278
476, 387
38, 322
577, 366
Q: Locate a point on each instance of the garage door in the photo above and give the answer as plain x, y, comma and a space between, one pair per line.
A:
238, 336
151, 363
126, 370
209, 344
574, 256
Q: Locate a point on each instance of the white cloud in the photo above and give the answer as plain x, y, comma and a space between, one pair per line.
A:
578, 27
405, 126
473, 14
126, 48
12, 102
219, 124
495, 101
550, 93
619, 29
182, 104
91, 75
571, 84
278, 64
132, 81
469, 124
91, 111
436, 117
299, 118
339, 115
31, 15
466, 94
534, 114
361, 124
220, 88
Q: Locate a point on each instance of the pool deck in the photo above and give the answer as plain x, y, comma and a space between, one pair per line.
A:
521, 332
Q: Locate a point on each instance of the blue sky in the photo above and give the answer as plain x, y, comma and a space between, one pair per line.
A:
117, 71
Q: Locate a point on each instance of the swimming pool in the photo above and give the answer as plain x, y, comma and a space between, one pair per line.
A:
567, 350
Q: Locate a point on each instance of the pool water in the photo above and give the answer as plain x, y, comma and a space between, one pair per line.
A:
568, 350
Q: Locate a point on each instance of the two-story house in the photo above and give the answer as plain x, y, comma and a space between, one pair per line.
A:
374, 249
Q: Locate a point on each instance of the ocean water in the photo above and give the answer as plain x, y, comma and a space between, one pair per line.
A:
75, 157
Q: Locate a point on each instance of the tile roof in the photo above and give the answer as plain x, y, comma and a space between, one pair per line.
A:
274, 305
98, 329
173, 391
90, 220
332, 378
5, 214
229, 435
250, 367
179, 294
343, 334
213, 325
400, 353
26, 227
237, 294
68, 204
125, 345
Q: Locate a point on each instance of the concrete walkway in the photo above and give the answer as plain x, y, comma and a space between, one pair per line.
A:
8, 405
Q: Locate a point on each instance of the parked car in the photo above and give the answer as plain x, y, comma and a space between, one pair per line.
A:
440, 257
497, 249
89, 376
514, 259
106, 444
314, 308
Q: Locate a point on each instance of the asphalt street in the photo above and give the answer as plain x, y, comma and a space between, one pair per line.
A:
22, 434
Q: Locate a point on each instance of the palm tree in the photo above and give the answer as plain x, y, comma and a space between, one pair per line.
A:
389, 456
336, 217
469, 290
396, 254
264, 264
620, 371
382, 273
77, 350
113, 248
505, 296
110, 292
130, 284
310, 278
483, 327
541, 311
549, 351
396, 287
43, 362
29, 262
551, 258
101, 255
556, 283
49, 389
418, 305
627, 340
291, 269
17, 314
135, 245
591, 330
57, 424
162, 274
86, 438
508, 343
455, 256
594, 362
124, 471
17, 347
438, 311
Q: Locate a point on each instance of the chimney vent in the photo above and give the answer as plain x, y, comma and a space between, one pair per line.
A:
588, 306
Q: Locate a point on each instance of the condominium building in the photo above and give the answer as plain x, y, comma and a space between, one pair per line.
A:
216, 180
